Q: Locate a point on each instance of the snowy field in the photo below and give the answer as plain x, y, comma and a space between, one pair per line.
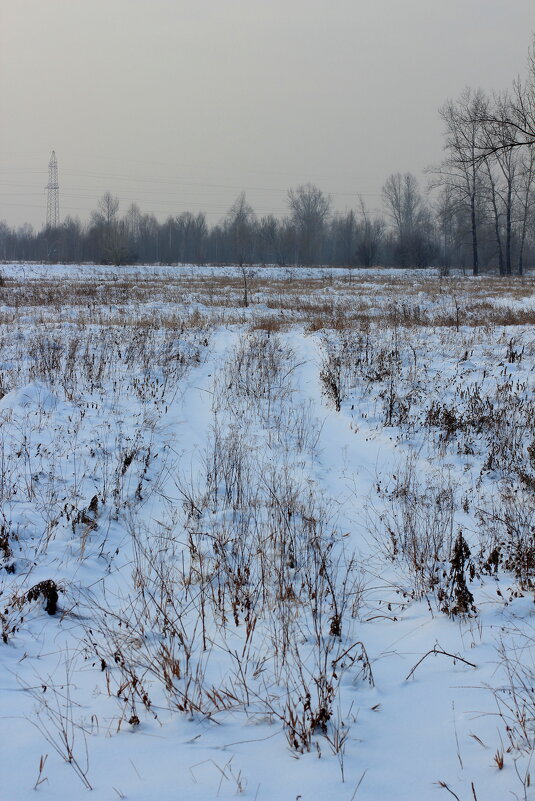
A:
266, 533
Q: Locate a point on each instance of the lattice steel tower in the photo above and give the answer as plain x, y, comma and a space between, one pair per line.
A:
52, 203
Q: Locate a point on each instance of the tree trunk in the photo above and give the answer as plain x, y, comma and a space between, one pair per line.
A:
508, 228
475, 255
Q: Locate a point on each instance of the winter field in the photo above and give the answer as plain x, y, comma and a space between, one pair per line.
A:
266, 533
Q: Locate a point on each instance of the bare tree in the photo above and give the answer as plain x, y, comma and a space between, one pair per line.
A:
132, 222
370, 234
104, 227
149, 238
525, 200
446, 210
348, 231
506, 160
411, 220
310, 209
186, 230
403, 201
516, 120
71, 239
108, 206
110, 234
495, 198
239, 221
268, 238
461, 169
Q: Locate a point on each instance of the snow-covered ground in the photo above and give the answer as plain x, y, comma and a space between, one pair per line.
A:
281, 549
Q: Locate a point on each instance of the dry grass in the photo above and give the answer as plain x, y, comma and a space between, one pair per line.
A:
329, 300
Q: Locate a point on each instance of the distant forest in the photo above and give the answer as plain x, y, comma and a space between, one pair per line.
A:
478, 214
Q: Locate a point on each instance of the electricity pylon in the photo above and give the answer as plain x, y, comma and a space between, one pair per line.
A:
52, 203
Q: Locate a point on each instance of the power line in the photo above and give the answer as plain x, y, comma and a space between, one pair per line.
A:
167, 196
179, 181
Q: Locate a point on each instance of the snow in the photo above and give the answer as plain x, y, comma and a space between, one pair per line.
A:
209, 519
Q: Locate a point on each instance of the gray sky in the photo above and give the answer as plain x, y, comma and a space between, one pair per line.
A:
181, 104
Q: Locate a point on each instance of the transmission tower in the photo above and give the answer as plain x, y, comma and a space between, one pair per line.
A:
52, 203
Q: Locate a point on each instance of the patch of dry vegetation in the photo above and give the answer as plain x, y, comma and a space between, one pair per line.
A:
329, 300
246, 558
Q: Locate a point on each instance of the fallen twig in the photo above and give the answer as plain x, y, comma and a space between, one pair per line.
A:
435, 651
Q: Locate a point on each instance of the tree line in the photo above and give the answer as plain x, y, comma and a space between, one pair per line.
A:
478, 211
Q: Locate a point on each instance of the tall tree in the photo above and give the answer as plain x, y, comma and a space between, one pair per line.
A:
411, 220
506, 162
526, 200
344, 235
106, 230
370, 235
461, 169
239, 222
309, 208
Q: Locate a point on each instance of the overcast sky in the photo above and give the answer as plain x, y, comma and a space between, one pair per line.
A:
180, 104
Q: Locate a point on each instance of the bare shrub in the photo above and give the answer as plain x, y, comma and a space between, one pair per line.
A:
507, 529
516, 697
416, 530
